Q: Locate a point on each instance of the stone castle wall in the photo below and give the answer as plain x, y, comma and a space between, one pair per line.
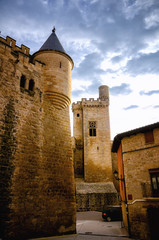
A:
36, 167
92, 154
94, 196
97, 150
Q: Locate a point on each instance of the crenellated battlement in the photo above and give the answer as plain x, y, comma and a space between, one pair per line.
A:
12, 44
91, 102
22, 54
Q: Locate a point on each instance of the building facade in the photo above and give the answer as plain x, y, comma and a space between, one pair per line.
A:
138, 167
36, 165
92, 151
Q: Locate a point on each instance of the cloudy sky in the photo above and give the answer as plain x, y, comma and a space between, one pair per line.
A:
112, 42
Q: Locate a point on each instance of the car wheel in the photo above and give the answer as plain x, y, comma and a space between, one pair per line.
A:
109, 219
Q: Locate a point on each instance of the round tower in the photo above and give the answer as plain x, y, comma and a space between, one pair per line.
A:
104, 92
57, 171
57, 71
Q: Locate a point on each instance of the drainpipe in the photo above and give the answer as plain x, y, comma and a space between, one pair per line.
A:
127, 210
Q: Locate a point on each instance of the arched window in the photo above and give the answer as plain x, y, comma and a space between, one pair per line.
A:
22, 81
31, 85
92, 129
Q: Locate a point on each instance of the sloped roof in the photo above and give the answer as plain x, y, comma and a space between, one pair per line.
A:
52, 43
119, 137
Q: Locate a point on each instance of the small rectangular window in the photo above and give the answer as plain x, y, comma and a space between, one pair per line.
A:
149, 138
154, 174
78, 115
92, 129
22, 81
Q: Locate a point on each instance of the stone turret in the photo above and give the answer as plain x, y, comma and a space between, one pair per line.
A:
57, 71
104, 92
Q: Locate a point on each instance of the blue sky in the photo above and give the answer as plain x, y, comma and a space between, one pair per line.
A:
112, 42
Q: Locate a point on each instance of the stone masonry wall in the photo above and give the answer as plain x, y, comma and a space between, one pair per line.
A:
95, 201
78, 146
36, 167
138, 158
20, 125
143, 157
97, 150
58, 190
92, 154
94, 196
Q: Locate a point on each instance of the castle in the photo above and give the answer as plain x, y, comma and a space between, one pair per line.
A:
92, 153
37, 192
37, 165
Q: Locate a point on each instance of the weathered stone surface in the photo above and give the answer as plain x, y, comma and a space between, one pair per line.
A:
83, 187
92, 154
36, 165
93, 196
139, 159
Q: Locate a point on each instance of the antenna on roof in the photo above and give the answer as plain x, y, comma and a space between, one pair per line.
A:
54, 29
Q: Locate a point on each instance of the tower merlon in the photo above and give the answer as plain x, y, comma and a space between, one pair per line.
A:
12, 44
91, 102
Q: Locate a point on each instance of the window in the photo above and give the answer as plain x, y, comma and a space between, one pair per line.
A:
92, 129
154, 174
149, 138
22, 81
31, 85
78, 115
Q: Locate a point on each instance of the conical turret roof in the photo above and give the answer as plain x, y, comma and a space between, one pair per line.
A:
52, 43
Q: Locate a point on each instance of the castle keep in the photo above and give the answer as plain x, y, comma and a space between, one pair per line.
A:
37, 195
91, 129
92, 152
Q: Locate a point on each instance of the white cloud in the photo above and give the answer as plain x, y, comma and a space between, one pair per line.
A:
152, 20
111, 42
133, 8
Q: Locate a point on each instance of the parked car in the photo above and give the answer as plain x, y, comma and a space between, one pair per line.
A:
112, 213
